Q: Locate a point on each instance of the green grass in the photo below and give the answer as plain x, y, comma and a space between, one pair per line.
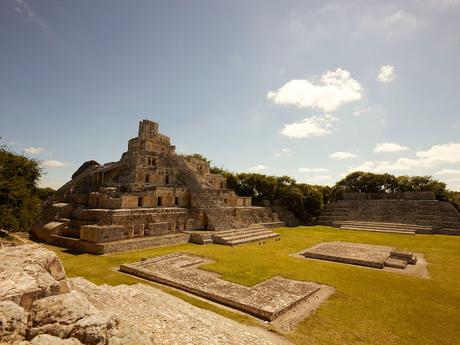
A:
370, 306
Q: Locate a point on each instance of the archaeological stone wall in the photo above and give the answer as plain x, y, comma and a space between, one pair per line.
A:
418, 208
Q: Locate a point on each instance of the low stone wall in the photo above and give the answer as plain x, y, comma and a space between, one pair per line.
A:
120, 246
266, 300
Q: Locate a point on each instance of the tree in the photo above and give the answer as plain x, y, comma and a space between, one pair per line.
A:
19, 194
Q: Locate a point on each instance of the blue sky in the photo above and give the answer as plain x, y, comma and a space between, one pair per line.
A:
310, 89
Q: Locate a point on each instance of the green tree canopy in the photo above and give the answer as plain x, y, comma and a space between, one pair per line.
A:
19, 195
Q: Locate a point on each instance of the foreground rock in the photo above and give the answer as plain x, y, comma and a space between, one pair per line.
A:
28, 273
170, 319
38, 306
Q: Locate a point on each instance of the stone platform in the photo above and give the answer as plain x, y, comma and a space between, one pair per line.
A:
234, 237
119, 246
266, 300
361, 254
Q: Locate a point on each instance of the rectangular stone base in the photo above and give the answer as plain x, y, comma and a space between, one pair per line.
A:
119, 246
350, 253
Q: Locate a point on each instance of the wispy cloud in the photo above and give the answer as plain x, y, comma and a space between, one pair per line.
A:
389, 147
444, 172
23, 8
340, 155
55, 164
33, 150
386, 74
308, 170
284, 152
258, 168
315, 126
435, 156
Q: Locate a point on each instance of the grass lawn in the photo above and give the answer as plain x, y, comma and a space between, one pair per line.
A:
370, 306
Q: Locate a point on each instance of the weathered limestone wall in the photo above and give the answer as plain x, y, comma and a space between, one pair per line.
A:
420, 208
390, 196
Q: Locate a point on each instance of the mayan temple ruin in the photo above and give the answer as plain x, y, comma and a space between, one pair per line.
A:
150, 197
406, 213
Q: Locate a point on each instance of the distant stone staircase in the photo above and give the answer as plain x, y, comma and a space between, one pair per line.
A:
429, 213
405, 212
243, 235
450, 218
212, 206
396, 228
336, 211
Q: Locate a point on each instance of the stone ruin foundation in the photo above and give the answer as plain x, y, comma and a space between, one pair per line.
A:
374, 256
150, 197
266, 300
39, 305
403, 213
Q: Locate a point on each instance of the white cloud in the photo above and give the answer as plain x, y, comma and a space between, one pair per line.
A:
389, 147
333, 89
445, 153
283, 152
401, 164
55, 164
444, 172
23, 8
386, 74
435, 156
340, 155
307, 170
315, 126
319, 178
402, 19
361, 111
258, 167
33, 150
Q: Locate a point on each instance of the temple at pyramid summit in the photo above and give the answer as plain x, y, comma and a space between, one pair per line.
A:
150, 197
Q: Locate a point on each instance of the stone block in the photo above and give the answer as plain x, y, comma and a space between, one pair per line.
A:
396, 263
52, 228
157, 229
101, 233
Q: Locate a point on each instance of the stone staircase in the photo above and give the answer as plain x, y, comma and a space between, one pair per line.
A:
243, 235
285, 215
428, 213
336, 211
203, 197
395, 228
450, 218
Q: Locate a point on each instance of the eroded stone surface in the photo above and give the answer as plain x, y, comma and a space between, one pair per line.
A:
169, 319
46, 339
121, 315
13, 322
30, 272
266, 300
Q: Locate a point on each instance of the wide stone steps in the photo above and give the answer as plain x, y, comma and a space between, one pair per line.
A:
241, 236
231, 232
399, 228
237, 236
372, 229
251, 239
449, 231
